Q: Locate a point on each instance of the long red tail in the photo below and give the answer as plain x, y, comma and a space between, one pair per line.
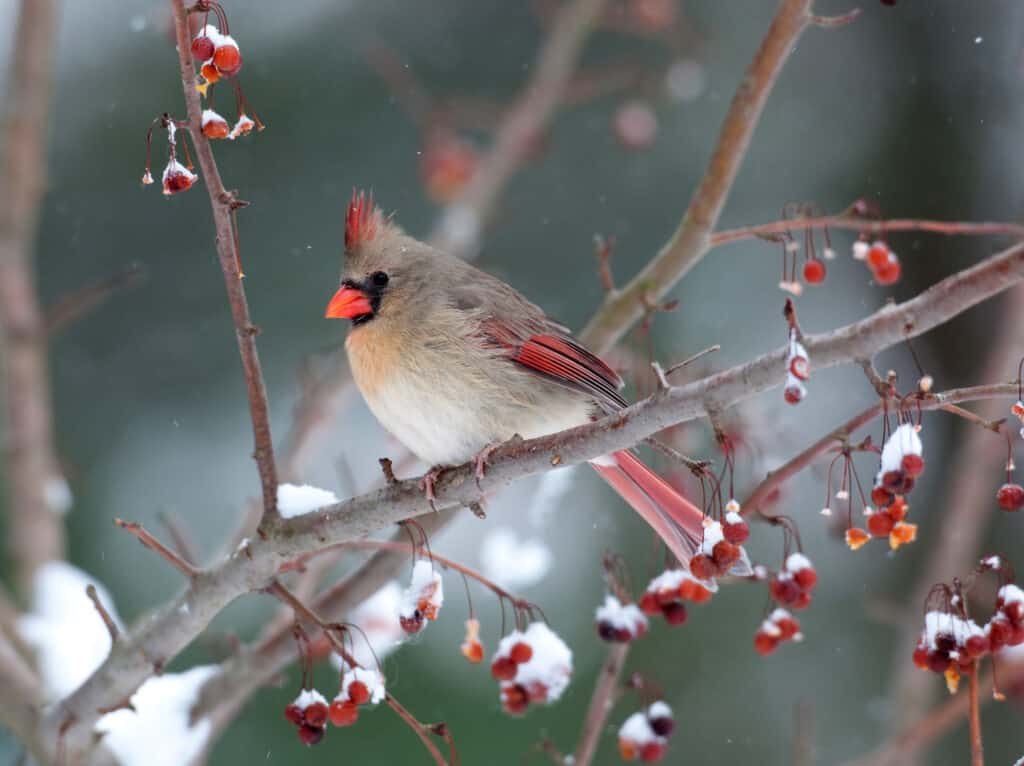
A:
676, 520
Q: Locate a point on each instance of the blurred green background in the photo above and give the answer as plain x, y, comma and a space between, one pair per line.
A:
918, 106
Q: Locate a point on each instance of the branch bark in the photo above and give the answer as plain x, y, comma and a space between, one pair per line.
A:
692, 240
601, 704
251, 568
224, 204
36, 534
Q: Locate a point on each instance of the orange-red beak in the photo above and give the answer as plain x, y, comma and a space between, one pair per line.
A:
348, 303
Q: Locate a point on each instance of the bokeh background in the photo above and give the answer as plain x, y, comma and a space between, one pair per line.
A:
918, 106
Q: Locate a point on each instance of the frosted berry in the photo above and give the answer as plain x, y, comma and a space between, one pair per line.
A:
1010, 497
228, 59
504, 669
649, 604
652, 752
310, 735
521, 652
703, 567
662, 725
315, 714
515, 699
793, 394
202, 47
675, 613
765, 644
343, 712
358, 692
293, 713
912, 465
736, 533
806, 578
814, 272
725, 554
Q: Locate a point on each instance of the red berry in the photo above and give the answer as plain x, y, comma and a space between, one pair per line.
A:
912, 465
521, 652
216, 129
227, 59
802, 601
889, 273
675, 613
814, 272
789, 627
764, 643
606, 631
800, 367
473, 651
878, 256
703, 567
921, 657
691, 590
294, 714
737, 533
937, 661
649, 604
976, 646
725, 554
784, 590
515, 699
343, 712
1010, 497
311, 735
358, 692
315, 714
880, 524
504, 669
411, 623
793, 394
652, 752
880, 496
806, 578
893, 480
202, 47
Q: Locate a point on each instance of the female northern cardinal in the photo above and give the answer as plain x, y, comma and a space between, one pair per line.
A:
453, 361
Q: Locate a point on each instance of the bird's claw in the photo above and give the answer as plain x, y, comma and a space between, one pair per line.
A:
428, 481
480, 462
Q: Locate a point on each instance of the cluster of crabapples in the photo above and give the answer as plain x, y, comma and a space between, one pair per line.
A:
220, 58
902, 462
667, 594
952, 643
882, 261
793, 584
778, 627
310, 713
533, 666
422, 600
644, 735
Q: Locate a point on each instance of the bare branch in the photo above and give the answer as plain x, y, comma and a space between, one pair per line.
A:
72, 307
112, 629
223, 204
158, 547
692, 240
35, 533
601, 703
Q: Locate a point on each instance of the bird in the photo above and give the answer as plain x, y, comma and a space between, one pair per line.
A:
452, 362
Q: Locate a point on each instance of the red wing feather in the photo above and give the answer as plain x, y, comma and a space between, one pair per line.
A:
568, 363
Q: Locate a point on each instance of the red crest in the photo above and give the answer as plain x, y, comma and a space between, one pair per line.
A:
360, 221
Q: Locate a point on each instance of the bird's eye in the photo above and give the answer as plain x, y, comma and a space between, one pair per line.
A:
379, 279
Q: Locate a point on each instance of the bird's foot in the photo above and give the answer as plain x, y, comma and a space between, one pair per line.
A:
480, 461
429, 480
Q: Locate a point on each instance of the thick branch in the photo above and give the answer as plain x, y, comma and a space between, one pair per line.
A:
692, 240
224, 204
252, 568
35, 533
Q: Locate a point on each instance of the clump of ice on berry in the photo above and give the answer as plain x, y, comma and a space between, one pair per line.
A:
177, 178
620, 622
363, 686
309, 713
779, 626
533, 666
644, 735
422, 600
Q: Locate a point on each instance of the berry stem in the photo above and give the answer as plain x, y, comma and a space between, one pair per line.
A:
977, 751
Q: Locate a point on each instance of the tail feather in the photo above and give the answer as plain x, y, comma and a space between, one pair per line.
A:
678, 522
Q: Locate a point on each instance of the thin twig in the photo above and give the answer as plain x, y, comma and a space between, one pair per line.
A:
72, 307
977, 751
144, 537
179, 538
692, 240
601, 703
35, 533
223, 203
112, 629
867, 226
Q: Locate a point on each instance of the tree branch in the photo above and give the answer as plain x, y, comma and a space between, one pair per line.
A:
252, 568
35, 534
692, 240
601, 703
224, 203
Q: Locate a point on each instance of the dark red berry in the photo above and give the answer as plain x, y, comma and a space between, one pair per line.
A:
662, 725
675, 613
358, 692
1010, 497
294, 714
311, 735
504, 669
521, 652
202, 47
315, 714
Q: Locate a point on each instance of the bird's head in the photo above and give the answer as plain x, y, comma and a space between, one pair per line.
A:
379, 275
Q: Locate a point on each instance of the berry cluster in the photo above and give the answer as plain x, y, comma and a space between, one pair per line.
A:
471, 647
717, 555
1006, 628
949, 644
792, 586
308, 712
359, 686
901, 463
883, 262
780, 626
666, 593
422, 600
532, 666
176, 177
620, 622
645, 734
798, 370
